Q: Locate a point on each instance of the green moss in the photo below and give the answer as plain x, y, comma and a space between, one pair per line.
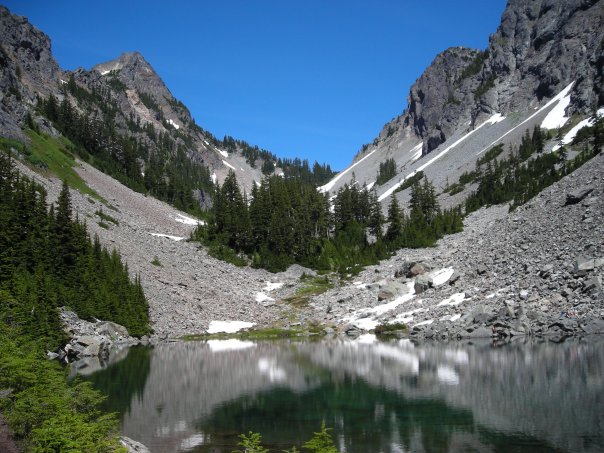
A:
313, 286
267, 333
385, 331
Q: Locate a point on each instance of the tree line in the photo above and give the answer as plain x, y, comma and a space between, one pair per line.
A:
47, 260
286, 220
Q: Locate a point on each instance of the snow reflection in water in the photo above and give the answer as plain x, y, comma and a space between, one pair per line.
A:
397, 396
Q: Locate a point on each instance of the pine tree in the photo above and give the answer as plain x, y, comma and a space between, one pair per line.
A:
376, 218
395, 220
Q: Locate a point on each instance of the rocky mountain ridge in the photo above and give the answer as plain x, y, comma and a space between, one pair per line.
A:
539, 48
468, 100
129, 85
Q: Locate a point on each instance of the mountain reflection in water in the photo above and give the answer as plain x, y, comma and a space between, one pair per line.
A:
378, 397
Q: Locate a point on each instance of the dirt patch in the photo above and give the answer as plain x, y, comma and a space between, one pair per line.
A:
7, 442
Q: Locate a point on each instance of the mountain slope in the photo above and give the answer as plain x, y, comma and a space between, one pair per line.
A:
121, 113
540, 48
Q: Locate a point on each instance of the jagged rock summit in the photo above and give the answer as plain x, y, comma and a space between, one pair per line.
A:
539, 48
468, 100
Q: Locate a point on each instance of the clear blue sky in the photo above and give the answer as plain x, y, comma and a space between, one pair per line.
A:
309, 78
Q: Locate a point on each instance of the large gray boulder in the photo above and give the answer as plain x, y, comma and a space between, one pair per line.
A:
577, 195
422, 283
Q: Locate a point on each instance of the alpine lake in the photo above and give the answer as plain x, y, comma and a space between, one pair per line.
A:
528, 395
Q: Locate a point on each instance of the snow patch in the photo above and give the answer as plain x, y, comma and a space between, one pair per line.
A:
496, 118
224, 153
365, 318
327, 187
261, 297
232, 344
424, 323
455, 317
551, 101
228, 165
174, 238
173, 124
188, 220
270, 286
417, 152
228, 326
570, 135
214, 177
453, 300
441, 276
557, 117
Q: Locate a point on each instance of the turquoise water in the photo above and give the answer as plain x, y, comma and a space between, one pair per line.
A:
525, 396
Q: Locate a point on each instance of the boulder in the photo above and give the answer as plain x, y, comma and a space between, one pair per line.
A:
577, 195
592, 285
422, 283
133, 446
389, 290
593, 326
480, 332
454, 278
112, 330
481, 270
417, 269
584, 264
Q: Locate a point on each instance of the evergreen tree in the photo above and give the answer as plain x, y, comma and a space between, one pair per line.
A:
376, 218
395, 220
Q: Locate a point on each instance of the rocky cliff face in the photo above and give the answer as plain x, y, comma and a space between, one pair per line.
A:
540, 47
26, 68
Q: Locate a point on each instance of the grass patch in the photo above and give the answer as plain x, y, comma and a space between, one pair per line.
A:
268, 333
313, 286
225, 253
156, 261
106, 218
49, 155
390, 330
103, 225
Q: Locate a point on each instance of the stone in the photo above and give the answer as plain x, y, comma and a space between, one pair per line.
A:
416, 269
133, 446
583, 263
480, 332
389, 290
546, 270
593, 326
578, 194
524, 294
422, 283
593, 284
481, 270
455, 276
112, 330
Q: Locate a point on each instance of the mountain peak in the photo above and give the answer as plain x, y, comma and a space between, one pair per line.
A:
134, 61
